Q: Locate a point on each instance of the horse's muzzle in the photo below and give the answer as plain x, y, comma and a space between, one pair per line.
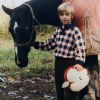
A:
21, 63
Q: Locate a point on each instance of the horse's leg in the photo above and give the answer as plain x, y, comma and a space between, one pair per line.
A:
93, 67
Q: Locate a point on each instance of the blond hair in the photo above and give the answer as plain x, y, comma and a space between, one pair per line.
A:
66, 7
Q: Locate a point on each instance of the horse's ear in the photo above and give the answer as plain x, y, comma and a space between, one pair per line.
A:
7, 10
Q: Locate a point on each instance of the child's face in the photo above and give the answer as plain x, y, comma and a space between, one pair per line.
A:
65, 18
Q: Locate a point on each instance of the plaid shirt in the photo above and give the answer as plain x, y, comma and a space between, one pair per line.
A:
67, 44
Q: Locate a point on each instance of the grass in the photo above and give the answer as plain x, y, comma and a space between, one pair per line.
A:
40, 59
37, 59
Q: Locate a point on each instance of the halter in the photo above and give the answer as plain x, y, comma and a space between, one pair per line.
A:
31, 36
25, 44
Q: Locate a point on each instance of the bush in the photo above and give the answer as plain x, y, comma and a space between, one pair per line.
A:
44, 29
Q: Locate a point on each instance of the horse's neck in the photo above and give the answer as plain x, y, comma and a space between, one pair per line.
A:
39, 2
32, 2
45, 10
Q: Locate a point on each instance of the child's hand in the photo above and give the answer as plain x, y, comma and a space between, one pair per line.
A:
78, 67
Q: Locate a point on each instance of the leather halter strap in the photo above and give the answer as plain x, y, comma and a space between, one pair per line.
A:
31, 10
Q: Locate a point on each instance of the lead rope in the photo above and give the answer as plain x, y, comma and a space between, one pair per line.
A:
33, 16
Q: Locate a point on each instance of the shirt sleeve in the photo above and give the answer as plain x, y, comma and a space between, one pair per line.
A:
80, 49
48, 44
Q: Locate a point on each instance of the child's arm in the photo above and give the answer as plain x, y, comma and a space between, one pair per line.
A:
79, 48
47, 45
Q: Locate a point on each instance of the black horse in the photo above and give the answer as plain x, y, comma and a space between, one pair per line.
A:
22, 21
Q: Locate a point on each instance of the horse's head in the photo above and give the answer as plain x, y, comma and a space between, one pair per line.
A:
22, 32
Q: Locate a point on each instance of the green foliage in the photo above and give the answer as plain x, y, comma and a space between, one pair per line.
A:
44, 29
6, 58
4, 24
37, 60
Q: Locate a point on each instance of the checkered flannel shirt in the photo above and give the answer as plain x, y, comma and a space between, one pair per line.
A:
67, 45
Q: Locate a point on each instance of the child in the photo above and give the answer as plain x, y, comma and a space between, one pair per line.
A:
69, 49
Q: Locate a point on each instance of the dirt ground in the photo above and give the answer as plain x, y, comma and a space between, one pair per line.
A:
38, 87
